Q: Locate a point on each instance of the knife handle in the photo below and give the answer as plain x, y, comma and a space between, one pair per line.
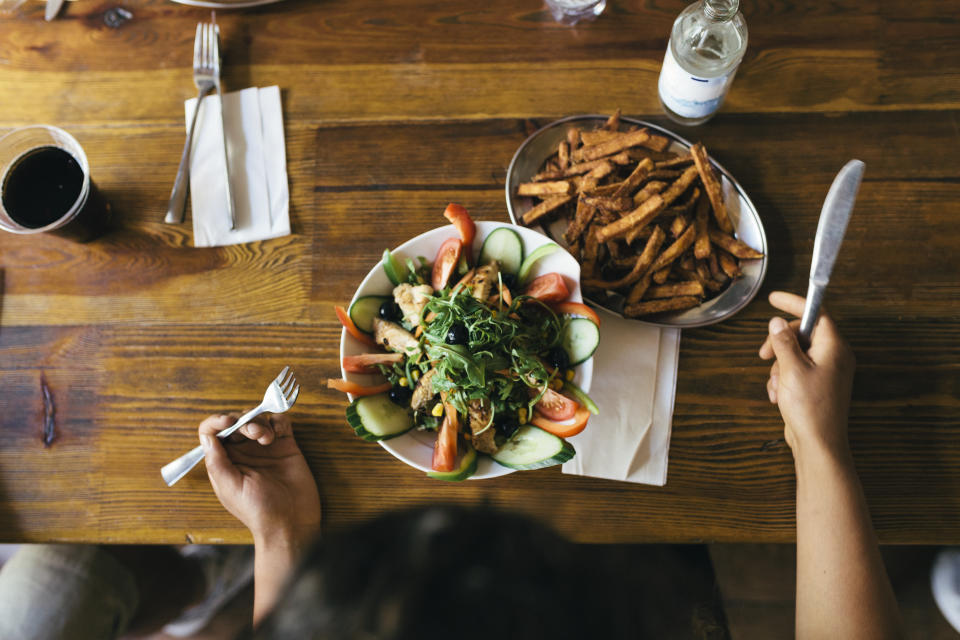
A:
811, 310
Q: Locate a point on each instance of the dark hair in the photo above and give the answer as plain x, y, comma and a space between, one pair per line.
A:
455, 573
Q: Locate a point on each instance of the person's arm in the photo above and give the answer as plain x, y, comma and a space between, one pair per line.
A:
262, 478
842, 586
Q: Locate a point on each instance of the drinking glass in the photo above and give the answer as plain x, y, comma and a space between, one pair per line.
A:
572, 11
45, 185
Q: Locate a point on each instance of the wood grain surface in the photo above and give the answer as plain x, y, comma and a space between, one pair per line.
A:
394, 108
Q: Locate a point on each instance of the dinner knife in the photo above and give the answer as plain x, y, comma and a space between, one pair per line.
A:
53, 8
834, 217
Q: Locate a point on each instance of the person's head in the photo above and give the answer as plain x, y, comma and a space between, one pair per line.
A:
446, 572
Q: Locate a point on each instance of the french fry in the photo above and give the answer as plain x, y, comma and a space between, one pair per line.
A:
563, 155
591, 249
657, 143
616, 143
660, 306
688, 288
701, 247
635, 219
560, 188
597, 174
581, 220
673, 252
729, 265
573, 138
651, 188
638, 175
661, 276
713, 264
678, 161
733, 246
613, 122
545, 208
665, 174
591, 138
636, 293
712, 187
640, 267
678, 225
610, 204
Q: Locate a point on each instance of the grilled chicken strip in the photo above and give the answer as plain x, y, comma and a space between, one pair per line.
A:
484, 280
424, 391
412, 300
482, 436
394, 337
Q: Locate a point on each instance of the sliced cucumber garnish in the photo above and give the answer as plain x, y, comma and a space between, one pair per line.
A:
580, 339
538, 254
505, 246
378, 418
533, 448
468, 466
396, 272
582, 397
365, 309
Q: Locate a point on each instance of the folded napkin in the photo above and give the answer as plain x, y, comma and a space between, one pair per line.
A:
634, 383
258, 168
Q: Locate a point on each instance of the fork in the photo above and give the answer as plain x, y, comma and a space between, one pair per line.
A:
279, 397
206, 77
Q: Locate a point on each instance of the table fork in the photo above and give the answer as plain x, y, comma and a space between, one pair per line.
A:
280, 396
206, 77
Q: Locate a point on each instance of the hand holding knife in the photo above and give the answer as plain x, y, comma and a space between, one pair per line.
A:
834, 217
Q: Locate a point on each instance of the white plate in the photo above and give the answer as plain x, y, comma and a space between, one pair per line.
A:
416, 447
542, 144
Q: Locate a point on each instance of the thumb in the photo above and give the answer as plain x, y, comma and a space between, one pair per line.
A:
785, 345
223, 474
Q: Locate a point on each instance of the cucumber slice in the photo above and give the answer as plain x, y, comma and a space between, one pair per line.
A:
468, 466
538, 254
505, 246
582, 397
378, 418
580, 339
533, 448
396, 272
365, 309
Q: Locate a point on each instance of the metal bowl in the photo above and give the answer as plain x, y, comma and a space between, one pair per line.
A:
535, 150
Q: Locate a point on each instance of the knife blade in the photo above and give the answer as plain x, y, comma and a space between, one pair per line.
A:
834, 216
53, 8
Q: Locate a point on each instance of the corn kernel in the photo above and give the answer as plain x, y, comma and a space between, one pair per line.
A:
415, 374
556, 384
437, 410
568, 374
522, 415
403, 382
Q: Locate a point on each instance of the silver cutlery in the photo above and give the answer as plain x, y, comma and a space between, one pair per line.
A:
53, 8
205, 71
279, 397
226, 154
834, 217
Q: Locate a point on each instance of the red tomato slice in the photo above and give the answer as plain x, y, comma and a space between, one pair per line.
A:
563, 429
463, 222
447, 258
351, 328
445, 449
556, 406
365, 363
549, 287
578, 309
356, 389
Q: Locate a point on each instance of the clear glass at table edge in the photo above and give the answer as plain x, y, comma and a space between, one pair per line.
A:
571, 12
45, 186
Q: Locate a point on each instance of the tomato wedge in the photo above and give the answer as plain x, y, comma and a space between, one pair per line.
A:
556, 406
563, 429
549, 287
463, 222
364, 363
357, 389
443, 266
445, 449
578, 309
351, 328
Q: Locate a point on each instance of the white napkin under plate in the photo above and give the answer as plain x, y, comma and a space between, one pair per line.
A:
634, 384
258, 168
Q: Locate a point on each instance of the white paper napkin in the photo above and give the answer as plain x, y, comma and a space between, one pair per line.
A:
634, 384
258, 168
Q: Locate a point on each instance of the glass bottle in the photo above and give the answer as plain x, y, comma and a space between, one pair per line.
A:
706, 45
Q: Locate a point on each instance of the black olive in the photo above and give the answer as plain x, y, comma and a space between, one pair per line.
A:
558, 358
508, 280
506, 427
390, 310
400, 395
458, 334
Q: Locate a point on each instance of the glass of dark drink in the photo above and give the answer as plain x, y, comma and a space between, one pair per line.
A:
45, 185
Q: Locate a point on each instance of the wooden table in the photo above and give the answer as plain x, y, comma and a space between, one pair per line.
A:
394, 109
